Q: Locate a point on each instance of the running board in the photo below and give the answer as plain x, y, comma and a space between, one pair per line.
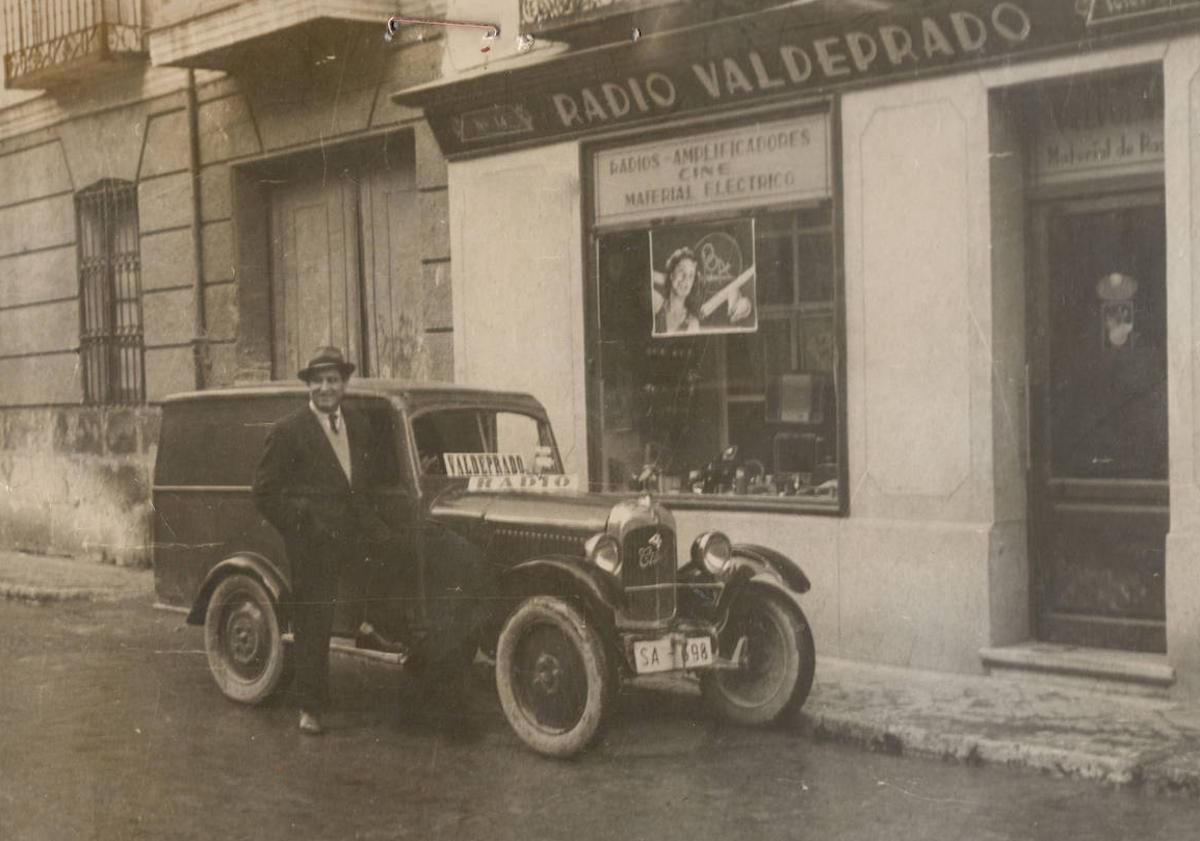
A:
345, 645
170, 608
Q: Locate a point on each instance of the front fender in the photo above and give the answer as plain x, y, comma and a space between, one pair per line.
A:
768, 562
562, 576
569, 576
250, 564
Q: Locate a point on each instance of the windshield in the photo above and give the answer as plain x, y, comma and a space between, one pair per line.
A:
451, 443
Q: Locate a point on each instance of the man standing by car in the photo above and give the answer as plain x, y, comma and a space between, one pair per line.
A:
310, 485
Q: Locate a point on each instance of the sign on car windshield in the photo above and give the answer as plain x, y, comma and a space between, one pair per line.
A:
545, 483
484, 464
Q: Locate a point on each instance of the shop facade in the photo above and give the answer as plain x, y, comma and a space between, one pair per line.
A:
906, 294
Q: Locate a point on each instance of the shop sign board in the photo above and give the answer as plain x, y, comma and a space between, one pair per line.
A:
762, 163
1088, 131
1113, 11
797, 50
493, 122
549, 15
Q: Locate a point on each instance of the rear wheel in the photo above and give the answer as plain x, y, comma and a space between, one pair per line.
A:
553, 677
777, 661
243, 642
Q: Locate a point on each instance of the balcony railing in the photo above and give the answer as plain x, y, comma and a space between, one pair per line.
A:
48, 42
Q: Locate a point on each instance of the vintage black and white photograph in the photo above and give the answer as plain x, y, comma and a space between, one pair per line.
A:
556, 420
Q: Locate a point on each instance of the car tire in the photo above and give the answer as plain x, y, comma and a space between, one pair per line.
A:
779, 661
553, 677
242, 639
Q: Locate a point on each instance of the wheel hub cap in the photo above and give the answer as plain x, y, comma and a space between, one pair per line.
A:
244, 635
547, 674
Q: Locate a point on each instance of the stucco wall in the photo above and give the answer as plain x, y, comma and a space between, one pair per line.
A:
76, 481
518, 285
1181, 76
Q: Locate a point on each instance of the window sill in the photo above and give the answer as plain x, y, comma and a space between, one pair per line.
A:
821, 507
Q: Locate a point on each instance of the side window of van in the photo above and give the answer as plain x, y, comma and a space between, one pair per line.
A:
218, 441
384, 462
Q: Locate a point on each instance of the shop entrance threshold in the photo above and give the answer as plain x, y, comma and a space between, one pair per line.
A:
1077, 667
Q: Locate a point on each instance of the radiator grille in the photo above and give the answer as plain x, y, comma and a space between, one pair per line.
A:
649, 560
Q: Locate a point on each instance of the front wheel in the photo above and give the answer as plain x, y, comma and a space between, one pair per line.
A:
552, 676
777, 661
242, 640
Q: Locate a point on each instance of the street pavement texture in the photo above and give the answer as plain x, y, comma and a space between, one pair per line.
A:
1152, 744
111, 729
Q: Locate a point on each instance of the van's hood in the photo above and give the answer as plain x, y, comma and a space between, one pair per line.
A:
574, 512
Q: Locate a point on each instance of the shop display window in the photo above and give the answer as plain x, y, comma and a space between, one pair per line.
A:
736, 395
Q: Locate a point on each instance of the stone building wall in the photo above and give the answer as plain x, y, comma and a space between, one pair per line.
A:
75, 479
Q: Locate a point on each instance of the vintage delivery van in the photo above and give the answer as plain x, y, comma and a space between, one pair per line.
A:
570, 592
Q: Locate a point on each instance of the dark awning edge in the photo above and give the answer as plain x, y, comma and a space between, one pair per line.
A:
787, 52
489, 85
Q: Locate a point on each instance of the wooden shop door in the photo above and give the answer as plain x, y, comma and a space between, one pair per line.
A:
1098, 426
316, 285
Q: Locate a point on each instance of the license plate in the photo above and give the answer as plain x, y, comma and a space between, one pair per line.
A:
671, 653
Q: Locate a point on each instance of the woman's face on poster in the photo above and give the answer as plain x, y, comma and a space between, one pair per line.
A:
683, 277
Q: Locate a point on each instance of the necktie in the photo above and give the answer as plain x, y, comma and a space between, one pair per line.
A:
333, 424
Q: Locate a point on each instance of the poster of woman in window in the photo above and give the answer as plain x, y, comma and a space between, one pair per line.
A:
702, 278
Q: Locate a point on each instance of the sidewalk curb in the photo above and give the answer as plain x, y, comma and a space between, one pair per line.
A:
1160, 773
55, 579
43, 595
968, 749
1165, 776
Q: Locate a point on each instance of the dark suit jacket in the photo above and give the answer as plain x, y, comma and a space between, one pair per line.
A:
301, 490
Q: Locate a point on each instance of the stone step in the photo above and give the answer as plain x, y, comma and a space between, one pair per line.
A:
1082, 669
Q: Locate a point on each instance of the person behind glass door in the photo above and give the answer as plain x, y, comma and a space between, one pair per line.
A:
680, 310
1115, 421
1135, 390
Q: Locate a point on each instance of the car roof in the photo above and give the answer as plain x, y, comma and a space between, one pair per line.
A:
413, 396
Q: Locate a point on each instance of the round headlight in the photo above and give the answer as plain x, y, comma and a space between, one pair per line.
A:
602, 550
714, 551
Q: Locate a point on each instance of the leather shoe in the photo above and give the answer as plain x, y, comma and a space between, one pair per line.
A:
310, 724
371, 639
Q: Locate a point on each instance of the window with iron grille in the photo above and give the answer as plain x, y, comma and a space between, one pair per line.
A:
110, 289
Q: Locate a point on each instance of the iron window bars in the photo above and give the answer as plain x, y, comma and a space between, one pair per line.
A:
110, 289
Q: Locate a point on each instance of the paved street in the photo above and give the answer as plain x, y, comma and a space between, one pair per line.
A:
112, 729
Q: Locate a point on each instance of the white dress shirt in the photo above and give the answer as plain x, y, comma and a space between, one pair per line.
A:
339, 440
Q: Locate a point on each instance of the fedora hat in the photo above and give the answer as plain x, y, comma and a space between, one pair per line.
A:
326, 357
